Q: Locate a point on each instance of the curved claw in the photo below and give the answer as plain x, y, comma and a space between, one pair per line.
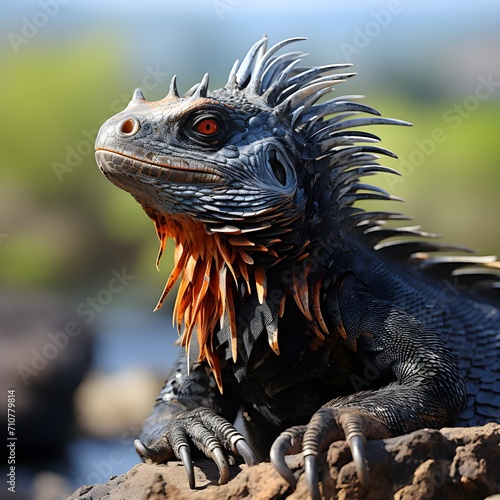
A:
157, 453
357, 446
209, 432
143, 451
245, 452
326, 426
312, 474
285, 444
185, 456
220, 460
228, 436
357, 427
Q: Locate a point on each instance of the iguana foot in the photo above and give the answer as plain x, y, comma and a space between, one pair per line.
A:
326, 426
209, 432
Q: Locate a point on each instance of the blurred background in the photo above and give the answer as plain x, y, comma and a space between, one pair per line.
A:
81, 346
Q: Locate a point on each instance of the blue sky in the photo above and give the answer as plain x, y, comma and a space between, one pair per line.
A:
209, 35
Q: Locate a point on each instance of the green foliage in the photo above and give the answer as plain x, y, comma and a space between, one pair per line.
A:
450, 185
54, 99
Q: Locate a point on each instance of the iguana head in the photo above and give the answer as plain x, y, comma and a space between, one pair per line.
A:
214, 157
244, 178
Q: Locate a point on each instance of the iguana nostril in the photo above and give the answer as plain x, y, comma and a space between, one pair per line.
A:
129, 127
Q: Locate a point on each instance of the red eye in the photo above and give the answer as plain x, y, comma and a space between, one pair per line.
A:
208, 126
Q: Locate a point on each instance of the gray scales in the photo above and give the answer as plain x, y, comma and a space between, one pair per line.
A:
317, 319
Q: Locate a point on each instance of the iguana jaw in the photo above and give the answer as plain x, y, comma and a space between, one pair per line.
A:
165, 168
128, 172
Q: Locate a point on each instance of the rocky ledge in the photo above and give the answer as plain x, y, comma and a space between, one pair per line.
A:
458, 463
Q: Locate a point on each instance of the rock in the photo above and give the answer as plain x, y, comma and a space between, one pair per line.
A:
159, 482
458, 463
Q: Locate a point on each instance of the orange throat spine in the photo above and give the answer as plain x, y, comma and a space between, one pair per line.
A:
211, 268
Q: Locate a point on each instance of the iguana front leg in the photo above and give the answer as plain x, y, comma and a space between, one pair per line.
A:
422, 387
190, 409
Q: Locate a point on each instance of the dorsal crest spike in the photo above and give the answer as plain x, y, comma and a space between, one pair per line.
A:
277, 85
263, 60
231, 79
248, 62
202, 89
172, 91
137, 97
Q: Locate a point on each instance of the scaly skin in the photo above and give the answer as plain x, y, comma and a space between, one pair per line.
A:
292, 305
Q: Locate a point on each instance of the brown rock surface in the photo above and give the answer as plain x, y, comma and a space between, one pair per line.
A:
458, 463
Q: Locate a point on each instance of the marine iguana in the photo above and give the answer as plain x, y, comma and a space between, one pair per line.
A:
318, 319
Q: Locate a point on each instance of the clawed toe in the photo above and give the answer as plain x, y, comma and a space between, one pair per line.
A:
159, 452
287, 443
209, 432
143, 451
326, 426
185, 456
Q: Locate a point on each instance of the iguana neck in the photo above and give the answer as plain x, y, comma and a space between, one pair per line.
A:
214, 269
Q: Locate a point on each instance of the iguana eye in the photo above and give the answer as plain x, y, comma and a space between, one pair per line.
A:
207, 126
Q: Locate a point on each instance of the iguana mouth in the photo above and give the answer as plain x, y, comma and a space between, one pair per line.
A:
162, 167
